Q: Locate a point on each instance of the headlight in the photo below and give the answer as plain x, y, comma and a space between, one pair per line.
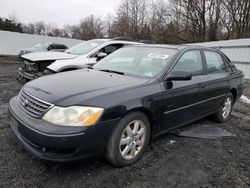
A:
73, 116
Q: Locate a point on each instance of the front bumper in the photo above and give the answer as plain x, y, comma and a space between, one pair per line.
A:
57, 143
24, 76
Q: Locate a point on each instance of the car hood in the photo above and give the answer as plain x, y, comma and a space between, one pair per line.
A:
32, 49
43, 56
77, 87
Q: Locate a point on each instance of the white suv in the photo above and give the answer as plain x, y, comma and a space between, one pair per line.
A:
80, 56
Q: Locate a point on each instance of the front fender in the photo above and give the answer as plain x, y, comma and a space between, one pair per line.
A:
61, 65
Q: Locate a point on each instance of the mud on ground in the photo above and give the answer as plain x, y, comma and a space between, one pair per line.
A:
169, 161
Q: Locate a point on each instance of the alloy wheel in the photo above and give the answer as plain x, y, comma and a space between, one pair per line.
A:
227, 107
132, 139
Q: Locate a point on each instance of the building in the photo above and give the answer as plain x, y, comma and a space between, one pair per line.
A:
237, 50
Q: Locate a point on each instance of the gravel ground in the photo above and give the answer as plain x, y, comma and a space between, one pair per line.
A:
170, 161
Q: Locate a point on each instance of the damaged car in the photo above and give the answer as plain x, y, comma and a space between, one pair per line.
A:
114, 108
80, 56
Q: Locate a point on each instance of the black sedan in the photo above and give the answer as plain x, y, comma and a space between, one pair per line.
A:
114, 109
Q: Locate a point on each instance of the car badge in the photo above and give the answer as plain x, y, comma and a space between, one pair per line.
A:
25, 103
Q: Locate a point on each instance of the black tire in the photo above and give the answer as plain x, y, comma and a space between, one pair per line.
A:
218, 116
113, 153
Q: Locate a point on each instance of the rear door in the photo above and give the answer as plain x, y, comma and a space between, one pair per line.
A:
182, 99
218, 80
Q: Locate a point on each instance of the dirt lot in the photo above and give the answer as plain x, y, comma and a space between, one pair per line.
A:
188, 162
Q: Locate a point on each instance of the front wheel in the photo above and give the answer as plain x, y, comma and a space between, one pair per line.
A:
129, 139
225, 111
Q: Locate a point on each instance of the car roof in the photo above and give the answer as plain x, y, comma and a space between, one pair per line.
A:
177, 47
59, 43
111, 41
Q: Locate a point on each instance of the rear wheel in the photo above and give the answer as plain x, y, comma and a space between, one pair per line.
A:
129, 139
225, 111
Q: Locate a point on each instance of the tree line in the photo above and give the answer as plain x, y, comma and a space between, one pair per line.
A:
162, 21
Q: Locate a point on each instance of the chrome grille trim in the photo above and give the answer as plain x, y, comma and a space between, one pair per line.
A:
32, 105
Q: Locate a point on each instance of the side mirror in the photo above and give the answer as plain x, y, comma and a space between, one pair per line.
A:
101, 55
179, 75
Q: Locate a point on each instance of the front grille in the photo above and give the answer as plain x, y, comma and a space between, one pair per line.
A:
31, 105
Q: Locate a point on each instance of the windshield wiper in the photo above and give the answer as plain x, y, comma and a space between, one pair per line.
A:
111, 71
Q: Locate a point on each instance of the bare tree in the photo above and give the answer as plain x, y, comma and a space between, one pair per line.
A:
89, 28
40, 28
172, 21
238, 16
108, 26
132, 19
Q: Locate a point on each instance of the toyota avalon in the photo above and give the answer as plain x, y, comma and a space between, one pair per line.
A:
130, 97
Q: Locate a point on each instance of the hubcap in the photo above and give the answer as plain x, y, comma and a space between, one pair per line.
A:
226, 108
132, 139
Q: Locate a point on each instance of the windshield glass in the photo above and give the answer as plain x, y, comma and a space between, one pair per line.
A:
84, 47
140, 61
42, 45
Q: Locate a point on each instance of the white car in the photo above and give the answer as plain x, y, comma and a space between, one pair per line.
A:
83, 55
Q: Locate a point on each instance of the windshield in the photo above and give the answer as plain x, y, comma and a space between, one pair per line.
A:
140, 61
42, 45
84, 47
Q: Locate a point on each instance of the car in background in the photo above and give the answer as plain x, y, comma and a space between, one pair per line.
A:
80, 56
43, 46
114, 108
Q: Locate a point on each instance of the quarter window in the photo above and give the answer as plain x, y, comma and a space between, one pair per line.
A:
190, 61
215, 63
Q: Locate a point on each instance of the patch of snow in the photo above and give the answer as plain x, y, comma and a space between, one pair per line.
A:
172, 141
244, 99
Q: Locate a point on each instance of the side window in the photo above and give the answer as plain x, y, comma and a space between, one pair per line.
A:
190, 61
50, 47
108, 49
56, 46
64, 47
53, 46
215, 63
111, 48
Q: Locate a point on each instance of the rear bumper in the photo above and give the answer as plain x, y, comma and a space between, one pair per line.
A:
75, 144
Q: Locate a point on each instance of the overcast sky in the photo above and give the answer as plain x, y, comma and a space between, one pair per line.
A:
59, 12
